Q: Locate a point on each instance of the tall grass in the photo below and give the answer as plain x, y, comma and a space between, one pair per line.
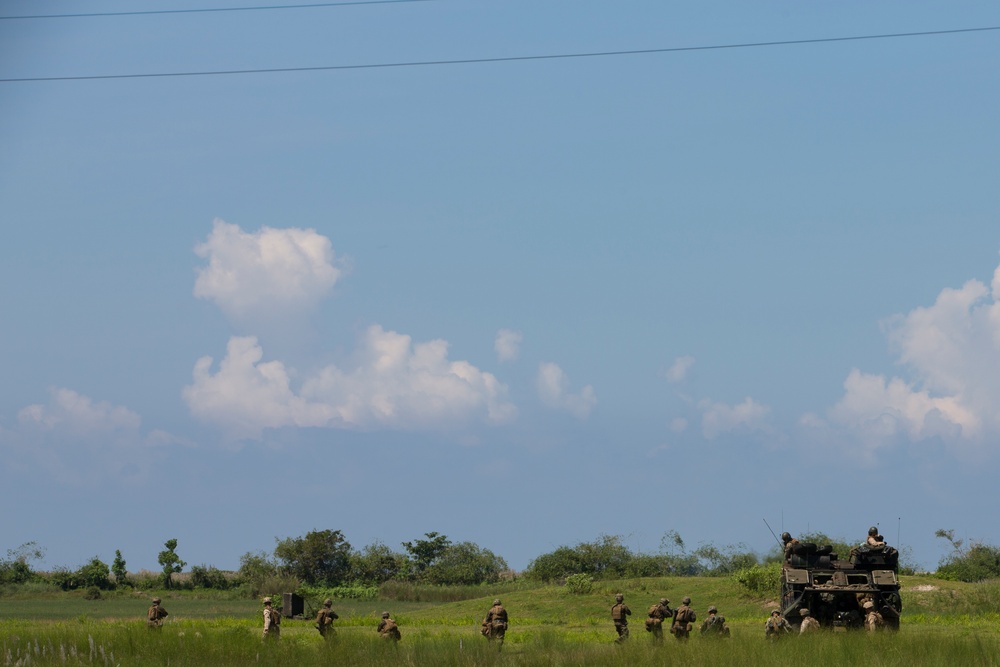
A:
229, 642
944, 623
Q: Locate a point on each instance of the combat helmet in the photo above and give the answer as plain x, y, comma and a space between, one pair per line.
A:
686, 600
713, 610
385, 614
873, 531
619, 597
664, 601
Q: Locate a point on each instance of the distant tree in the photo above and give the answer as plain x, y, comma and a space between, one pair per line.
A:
15, 569
170, 562
605, 557
423, 553
970, 562
677, 559
320, 557
119, 569
94, 574
209, 576
719, 561
376, 564
465, 563
259, 573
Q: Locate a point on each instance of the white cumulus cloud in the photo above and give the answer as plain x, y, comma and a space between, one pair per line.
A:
718, 418
393, 383
679, 370
81, 441
951, 354
268, 271
73, 415
553, 389
508, 344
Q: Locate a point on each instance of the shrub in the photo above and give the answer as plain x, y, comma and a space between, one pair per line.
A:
203, 576
94, 574
760, 580
579, 584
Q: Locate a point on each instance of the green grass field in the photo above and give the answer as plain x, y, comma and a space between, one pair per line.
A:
944, 623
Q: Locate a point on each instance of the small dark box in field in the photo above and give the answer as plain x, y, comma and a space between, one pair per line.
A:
292, 605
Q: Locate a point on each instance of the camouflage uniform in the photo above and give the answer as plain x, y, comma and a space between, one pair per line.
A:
873, 619
155, 615
714, 625
619, 614
387, 628
809, 624
495, 623
325, 619
272, 621
684, 616
874, 539
788, 544
658, 613
776, 626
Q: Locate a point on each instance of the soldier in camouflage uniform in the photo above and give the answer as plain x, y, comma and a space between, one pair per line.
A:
808, 624
619, 614
788, 544
495, 623
325, 619
874, 539
776, 626
155, 615
873, 620
714, 625
387, 628
684, 616
658, 613
272, 621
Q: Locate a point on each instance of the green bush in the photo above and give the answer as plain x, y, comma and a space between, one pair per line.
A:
760, 581
95, 574
977, 563
579, 584
203, 576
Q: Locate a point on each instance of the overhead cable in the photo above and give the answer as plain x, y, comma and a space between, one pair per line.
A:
347, 3
504, 59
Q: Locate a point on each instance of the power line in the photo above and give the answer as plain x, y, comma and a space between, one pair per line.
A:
476, 61
347, 3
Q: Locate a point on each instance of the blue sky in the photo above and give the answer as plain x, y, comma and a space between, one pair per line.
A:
522, 303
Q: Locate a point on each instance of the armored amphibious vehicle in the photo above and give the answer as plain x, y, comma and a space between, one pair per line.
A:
835, 590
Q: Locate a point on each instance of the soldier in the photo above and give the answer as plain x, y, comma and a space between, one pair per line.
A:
874, 539
325, 619
155, 615
272, 621
873, 620
619, 614
776, 626
809, 624
788, 544
714, 625
495, 623
684, 616
387, 628
658, 613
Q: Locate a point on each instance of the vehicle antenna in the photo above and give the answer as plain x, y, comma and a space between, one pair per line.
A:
772, 532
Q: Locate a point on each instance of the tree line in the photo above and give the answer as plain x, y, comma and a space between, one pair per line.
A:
325, 559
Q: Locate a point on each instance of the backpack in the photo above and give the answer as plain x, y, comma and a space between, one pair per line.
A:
153, 614
275, 617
